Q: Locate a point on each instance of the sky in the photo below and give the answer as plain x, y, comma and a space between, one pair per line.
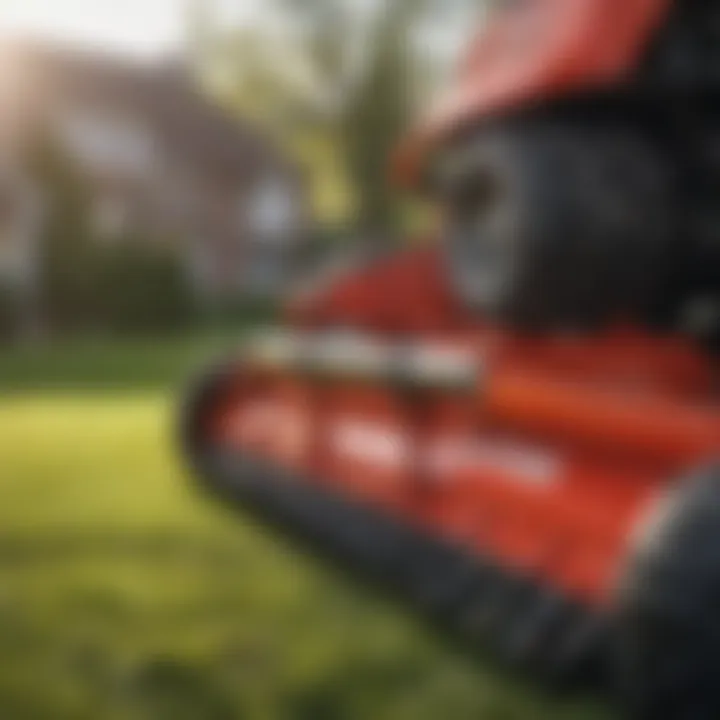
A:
135, 27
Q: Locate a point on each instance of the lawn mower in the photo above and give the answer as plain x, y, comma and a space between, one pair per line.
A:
516, 426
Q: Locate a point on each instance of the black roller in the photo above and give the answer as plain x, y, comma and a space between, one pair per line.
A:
496, 594
578, 655
535, 631
445, 590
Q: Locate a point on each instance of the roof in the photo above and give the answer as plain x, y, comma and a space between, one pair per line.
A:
165, 94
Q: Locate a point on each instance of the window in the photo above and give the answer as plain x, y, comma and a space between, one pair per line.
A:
106, 142
19, 214
272, 211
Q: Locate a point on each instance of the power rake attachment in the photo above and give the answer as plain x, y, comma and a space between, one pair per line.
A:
399, 460
516, 424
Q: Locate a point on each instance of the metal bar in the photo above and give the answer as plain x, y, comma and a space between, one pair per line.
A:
361, 357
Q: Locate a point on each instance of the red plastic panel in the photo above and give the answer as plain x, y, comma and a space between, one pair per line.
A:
536, 50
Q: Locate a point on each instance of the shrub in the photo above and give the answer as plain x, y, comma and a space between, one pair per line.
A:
141, 288
9, 312
130, 285
68, 245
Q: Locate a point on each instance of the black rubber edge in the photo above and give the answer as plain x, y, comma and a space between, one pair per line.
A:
484, 607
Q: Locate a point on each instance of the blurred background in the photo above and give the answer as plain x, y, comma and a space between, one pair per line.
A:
168, 169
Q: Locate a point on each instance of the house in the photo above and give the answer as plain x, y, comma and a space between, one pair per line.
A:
161, 159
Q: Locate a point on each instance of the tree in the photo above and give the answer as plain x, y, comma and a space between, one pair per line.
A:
375, 116
333, 74
68, 248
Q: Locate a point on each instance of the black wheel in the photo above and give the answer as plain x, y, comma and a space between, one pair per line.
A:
558, 224
667, 658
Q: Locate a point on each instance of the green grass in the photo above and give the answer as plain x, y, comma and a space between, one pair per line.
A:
124, 594
100, 364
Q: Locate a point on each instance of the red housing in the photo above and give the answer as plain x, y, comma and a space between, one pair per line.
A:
533, 51
550, 462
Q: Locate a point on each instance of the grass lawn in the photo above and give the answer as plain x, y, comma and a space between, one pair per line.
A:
123, 594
